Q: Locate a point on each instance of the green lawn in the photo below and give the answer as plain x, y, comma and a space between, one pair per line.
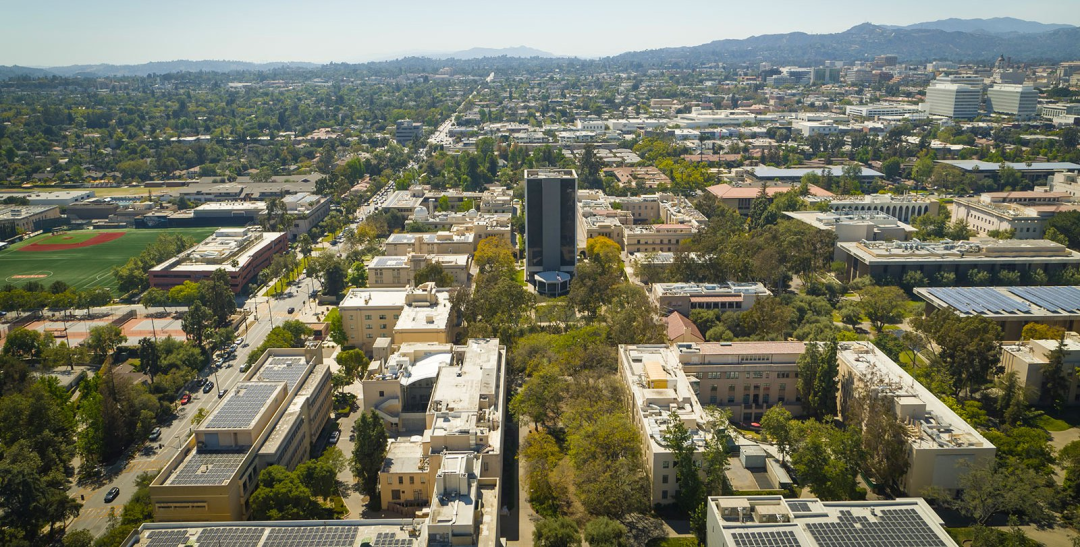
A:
82, 268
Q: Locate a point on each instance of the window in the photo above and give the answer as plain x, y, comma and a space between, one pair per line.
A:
395, 495
401, 480
381, 394
746, 387
382, 317
731, 387
733, 376
412, 480
369, 336
382, 326
367, 317
712, 387
783, 386
731, 399
667, 464
663, 495
664, 479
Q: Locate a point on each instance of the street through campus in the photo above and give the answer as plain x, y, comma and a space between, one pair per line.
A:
123, 474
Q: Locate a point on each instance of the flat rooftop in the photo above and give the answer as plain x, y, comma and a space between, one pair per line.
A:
207, 468
16, 212
1028, 303
742, 348
288, 369
405, 455
709, 289
242, 406
658, 387
935, 425
342, 533
220, 250
773, 521
461, 387
975, 250
376, 298
424, 316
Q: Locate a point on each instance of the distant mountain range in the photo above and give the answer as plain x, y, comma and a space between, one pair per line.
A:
962, 40
996, 25
481, 52
863, 42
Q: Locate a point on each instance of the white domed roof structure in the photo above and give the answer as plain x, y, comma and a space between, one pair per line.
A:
420, 213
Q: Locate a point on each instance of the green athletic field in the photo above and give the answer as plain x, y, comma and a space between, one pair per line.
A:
84, 267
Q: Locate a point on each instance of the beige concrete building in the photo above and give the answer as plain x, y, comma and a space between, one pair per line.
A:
1028, 358
1011, 308
903, 208
747, 378
439, 243
639, 224
439, 400
400, 271
1025, 212
658, 393
272, 417
26, 218
851, 227
412, 314
241, 252
684, 297
774, 521
891, 259
941, 445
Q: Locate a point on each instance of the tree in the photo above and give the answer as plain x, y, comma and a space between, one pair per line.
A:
215, 293
677, 438
776, 426
818, 372
353, 362
891, 168
605, 532
883, 305
828, 460
1056, 379
540, 398
987, 489
282, 496
540, 455
966, 347
494, 255
304, 245
25, 344
185, 294
154, 297
104, 339
1041, 331
369, 452
149, 359
358, 275
433, 272
884, 438
556, 532
197, 323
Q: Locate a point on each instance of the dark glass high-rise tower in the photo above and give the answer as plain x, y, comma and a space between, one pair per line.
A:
550, 228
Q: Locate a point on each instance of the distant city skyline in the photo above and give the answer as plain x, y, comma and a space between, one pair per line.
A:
67, 32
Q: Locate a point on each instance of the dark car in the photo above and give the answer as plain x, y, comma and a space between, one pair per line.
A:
292, 310
221, 393
155, 434
208, 387
112, 494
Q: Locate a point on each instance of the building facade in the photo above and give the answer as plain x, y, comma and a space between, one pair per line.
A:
1029, 358
550, 228
241, 252
413, 314
685, 297
747, 378
1020, 101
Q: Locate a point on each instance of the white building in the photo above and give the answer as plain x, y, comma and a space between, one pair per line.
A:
1020, 101
773, 521
808, 129
881, 110
954, 97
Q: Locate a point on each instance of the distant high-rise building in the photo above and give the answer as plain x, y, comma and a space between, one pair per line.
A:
882, 61
825, 75
954, 96
550, 228
1021, 101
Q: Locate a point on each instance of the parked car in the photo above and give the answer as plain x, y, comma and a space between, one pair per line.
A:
221, 393
112, 494
202, 381
335, 436
185, 399
239, 341
208, 387
155, 434
292, 310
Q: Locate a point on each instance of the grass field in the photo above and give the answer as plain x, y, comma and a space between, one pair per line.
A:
84, 267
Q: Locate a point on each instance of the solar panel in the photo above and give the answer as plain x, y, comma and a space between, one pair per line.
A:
242, 407
283, 369
304, 536
389, 539
770, 538
893, 528
231, 536
166, 538
979, 300
207, 468
799, 507
1053, 299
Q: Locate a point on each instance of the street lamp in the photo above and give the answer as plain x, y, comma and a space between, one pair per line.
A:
270, 312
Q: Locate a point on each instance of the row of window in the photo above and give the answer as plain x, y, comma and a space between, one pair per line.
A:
746, 387
731, 375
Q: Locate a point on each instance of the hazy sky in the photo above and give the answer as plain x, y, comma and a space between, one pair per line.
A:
63, 32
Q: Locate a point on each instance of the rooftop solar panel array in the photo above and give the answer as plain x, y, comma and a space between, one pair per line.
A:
242, 407
207, 468
980, 300
893, 528
387, 539
165, 538
799, 507
770, 538
1053, 299
312, 536
241, 536
283, 369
